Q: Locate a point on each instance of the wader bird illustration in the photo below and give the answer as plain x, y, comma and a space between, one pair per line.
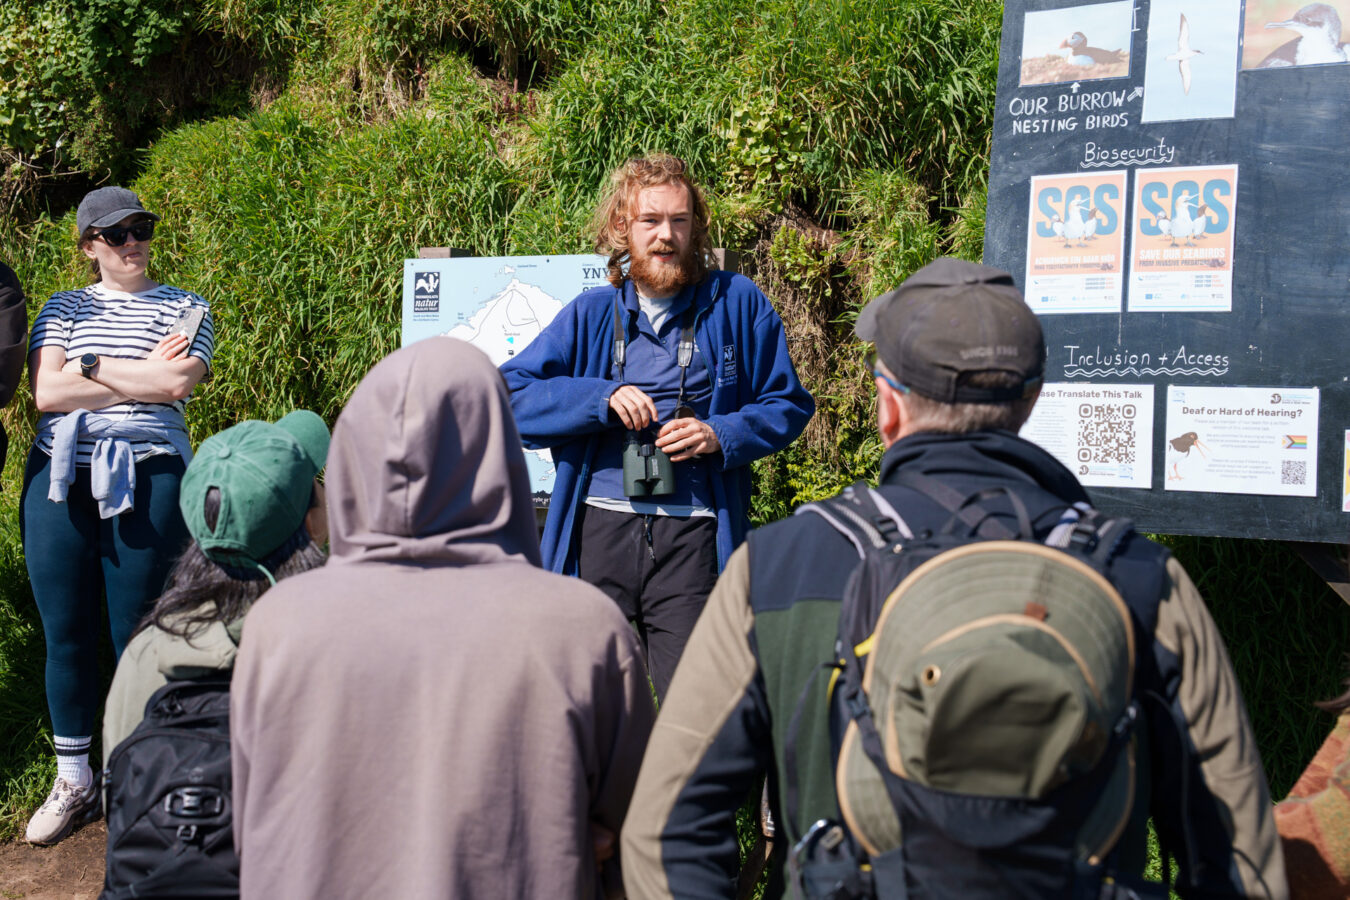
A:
1179, 448
1184, 54
1319, 39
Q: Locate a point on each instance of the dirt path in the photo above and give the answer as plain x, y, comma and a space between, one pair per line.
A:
72, 870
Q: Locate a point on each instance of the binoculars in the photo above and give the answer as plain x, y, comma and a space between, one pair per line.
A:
647, 470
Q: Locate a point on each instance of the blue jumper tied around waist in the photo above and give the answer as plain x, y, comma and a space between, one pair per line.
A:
112, 468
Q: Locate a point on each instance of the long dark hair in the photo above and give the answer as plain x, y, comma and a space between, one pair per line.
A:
200, 592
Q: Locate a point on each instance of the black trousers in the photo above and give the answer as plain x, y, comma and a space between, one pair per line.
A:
659, 569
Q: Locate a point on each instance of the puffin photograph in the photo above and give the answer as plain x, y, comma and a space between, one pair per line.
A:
1077, 43
1083, 54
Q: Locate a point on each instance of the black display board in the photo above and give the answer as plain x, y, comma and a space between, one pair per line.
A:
1282, 237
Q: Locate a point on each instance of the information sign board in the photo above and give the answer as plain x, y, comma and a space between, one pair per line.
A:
1170, 186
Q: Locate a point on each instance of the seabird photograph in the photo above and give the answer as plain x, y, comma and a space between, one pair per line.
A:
1190, 67
1077, 43
1280, 34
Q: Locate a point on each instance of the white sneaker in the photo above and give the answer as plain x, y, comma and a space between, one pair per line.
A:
67, 805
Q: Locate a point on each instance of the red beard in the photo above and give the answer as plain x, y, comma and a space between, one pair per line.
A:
656, 279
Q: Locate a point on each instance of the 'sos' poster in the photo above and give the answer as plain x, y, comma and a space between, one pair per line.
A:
1076, 243
1182, 247
1241, 440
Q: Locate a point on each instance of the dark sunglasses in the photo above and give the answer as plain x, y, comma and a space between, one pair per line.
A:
117, 235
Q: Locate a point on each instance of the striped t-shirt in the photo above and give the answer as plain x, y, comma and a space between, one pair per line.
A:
98, 319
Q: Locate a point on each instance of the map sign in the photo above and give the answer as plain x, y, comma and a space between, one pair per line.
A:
499, 304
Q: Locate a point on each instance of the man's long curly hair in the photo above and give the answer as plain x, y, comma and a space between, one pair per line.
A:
612, 217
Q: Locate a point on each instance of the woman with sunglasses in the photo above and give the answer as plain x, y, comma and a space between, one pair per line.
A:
111, 366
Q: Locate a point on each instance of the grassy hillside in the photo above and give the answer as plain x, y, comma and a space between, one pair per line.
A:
300, 151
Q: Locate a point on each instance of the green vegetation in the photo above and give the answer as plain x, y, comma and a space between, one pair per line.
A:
300, 151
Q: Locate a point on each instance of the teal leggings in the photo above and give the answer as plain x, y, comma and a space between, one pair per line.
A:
75, 559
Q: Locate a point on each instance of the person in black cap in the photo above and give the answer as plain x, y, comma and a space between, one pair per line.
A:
958, 364
111, 367
13, 340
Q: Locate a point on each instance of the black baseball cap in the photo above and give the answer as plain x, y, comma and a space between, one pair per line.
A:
108, 206
953, 319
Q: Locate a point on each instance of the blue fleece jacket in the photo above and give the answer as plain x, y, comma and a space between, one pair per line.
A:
561, 383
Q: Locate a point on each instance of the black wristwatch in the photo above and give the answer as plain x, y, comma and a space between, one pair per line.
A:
88, 363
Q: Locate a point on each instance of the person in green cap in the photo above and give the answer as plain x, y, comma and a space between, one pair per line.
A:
255, 509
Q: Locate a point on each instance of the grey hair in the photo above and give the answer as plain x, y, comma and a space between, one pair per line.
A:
927, 414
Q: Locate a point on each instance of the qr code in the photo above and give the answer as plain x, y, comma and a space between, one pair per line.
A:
1293, 472
1106, 433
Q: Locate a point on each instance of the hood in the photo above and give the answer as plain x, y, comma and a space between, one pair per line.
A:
980, 459
209, 649
426, 465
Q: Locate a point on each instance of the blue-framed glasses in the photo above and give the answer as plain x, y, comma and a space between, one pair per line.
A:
877, 372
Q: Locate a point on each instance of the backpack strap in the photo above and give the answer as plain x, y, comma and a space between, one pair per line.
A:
1068, 519
863, 516
963, 507
869, 523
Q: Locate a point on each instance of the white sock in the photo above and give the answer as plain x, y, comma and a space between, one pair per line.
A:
72, 760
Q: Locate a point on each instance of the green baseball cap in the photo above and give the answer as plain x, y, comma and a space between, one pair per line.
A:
264, 472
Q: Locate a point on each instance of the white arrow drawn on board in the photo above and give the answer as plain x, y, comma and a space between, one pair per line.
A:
1137, 92
1074, 87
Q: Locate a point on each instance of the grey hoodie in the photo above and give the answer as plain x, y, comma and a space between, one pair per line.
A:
430, 714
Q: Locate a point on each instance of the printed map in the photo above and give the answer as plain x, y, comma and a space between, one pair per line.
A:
498, 304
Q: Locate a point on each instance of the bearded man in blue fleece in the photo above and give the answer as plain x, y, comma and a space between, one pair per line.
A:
655, 394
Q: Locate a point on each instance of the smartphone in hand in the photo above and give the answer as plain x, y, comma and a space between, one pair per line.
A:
187, 323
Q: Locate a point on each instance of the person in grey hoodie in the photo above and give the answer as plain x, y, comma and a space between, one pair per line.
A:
431, 714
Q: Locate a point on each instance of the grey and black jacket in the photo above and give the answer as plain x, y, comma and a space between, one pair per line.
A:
773, 617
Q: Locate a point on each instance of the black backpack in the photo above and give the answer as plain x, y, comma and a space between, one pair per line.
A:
966, 844
167, 791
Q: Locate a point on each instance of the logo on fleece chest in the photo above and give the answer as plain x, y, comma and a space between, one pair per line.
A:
726, 372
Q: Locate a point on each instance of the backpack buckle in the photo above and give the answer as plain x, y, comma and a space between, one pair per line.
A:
1125, 724
194, 803
1083, 538
856, 704
187, 833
